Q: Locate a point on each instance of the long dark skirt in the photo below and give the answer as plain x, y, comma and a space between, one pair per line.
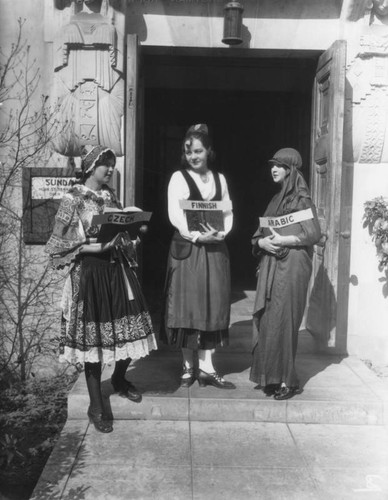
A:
197, 309
276, 326
103, 321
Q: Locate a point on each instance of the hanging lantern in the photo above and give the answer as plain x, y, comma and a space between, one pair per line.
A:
233, 23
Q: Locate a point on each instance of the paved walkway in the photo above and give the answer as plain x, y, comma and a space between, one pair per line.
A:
181, 460
330, 442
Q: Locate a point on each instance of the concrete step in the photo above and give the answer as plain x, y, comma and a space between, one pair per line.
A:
335, 391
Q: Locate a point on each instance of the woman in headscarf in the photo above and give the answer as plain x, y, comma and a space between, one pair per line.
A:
104, 314
283, 244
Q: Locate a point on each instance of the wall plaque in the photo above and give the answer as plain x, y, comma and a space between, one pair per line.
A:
43, 189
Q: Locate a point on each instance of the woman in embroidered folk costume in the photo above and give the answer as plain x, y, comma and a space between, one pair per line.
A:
104, 315
283, 243
198, 272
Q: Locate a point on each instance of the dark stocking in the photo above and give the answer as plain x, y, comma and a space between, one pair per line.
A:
93, 381
120, 370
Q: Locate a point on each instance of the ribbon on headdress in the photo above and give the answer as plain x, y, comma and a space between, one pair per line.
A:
200, 128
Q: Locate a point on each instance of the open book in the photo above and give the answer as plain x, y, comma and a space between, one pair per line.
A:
114, 221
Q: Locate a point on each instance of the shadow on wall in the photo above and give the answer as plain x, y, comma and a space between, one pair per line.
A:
322, 310
308, 365
384, 280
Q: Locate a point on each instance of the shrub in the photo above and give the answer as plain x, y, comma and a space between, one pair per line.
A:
376, 220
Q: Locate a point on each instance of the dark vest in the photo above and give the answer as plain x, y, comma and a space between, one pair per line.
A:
180, 247
195, 194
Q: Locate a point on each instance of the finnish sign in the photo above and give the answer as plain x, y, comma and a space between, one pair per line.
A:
205, 213
205, 205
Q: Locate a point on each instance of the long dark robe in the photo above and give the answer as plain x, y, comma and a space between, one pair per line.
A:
282, 289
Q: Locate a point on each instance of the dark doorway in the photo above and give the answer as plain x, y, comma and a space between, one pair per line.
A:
247, 126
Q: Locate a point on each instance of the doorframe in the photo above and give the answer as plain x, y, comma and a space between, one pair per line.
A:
133, 166
331, 189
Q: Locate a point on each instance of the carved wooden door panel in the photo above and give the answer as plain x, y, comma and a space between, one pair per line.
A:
133, 125
327, 308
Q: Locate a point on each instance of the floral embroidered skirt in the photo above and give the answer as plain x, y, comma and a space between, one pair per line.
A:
105, 317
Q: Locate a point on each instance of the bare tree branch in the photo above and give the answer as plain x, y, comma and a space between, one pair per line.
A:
25, 283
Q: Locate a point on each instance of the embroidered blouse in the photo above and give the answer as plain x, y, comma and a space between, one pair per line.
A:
73, 222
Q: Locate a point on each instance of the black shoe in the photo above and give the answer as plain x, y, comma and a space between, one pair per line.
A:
286, 393
126, 390
187, 381
271, 389
99, 423
214, 379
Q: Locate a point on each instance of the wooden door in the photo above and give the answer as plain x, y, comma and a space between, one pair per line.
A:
327, 308
133, 171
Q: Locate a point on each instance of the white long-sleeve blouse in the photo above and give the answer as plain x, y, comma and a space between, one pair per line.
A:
178, 189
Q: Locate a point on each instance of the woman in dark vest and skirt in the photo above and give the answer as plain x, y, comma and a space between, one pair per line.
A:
198, 273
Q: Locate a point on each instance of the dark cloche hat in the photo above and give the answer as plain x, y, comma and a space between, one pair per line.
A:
287, 157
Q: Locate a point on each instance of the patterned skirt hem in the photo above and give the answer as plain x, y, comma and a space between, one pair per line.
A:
134, 350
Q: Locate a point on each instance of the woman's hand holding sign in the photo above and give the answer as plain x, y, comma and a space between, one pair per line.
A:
270, 243
273, 243
210, 235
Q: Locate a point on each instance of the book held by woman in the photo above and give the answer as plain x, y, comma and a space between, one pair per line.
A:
113, 221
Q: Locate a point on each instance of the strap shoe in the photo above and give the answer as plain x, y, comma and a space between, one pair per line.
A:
189, 379
214, 379
126, 389
99, 423
286, 393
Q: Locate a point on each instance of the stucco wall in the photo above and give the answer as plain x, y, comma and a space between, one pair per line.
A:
32, 13
366, 148
368, 307
32, 16
274, 24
